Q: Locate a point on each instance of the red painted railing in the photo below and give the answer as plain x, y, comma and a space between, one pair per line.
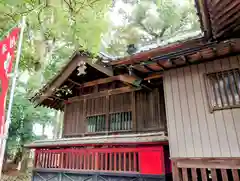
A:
129, 160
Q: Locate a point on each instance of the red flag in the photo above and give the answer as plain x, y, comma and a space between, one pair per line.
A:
7, 48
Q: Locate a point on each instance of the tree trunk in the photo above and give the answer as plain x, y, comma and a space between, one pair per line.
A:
18, 156
25, 160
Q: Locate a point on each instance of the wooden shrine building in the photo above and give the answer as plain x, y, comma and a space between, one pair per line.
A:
169, 111
114, 126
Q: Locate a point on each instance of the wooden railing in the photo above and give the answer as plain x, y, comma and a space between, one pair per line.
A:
206, 169
126, 160
89, 159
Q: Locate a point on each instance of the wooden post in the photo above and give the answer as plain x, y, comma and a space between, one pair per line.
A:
64, 127
57, 128
84, 117
107, 114
134, 121
175, 172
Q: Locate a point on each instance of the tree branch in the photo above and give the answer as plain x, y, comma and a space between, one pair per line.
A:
10, 16
69, 6
163, 31
155, 35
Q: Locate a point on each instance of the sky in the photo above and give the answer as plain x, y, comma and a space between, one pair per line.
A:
37, 129
117, 19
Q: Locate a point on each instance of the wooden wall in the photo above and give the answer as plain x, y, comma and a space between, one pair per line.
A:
194, 131
150, 110
142, 111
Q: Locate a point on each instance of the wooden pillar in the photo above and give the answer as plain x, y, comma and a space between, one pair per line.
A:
134, 119
84, 117
175, 172
64, 127
61, 124
107, 115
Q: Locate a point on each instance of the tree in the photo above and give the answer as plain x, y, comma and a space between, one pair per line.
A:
152, 21
55, 28
23, 117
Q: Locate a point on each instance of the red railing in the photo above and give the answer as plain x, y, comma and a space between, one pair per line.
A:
129, 160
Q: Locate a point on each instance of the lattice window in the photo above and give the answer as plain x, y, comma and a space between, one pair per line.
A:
96, 123
223, 89
120, 121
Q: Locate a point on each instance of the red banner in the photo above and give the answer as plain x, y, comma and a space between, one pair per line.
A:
7, 49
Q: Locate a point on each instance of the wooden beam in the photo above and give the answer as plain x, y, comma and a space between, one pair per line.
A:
61, 77
216, 163
148, 68
76, 83
142, 56
108, 71
94, 82
134, 117
130, 79
124, 78
97, 82
104, 93
55, 97
160, 65
154, 76
185, 59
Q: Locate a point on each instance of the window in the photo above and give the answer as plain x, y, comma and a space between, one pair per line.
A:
117, 122
223, 89
121, 121
109, 114
96, 123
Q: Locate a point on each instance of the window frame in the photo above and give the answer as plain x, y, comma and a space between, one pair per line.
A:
108, 113
212, 98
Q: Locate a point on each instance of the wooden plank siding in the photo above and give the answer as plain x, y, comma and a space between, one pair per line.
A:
141, 111
205, 169
193, 130
150, 110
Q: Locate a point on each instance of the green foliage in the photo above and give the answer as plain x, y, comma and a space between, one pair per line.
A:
54, 29
53, 26
23, 117
153, 21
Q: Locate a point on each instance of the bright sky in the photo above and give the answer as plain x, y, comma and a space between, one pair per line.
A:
117, 19
37, 129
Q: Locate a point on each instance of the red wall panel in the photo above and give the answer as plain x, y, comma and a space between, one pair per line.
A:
152, 161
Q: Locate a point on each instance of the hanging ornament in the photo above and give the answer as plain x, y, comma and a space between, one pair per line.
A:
81, 68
